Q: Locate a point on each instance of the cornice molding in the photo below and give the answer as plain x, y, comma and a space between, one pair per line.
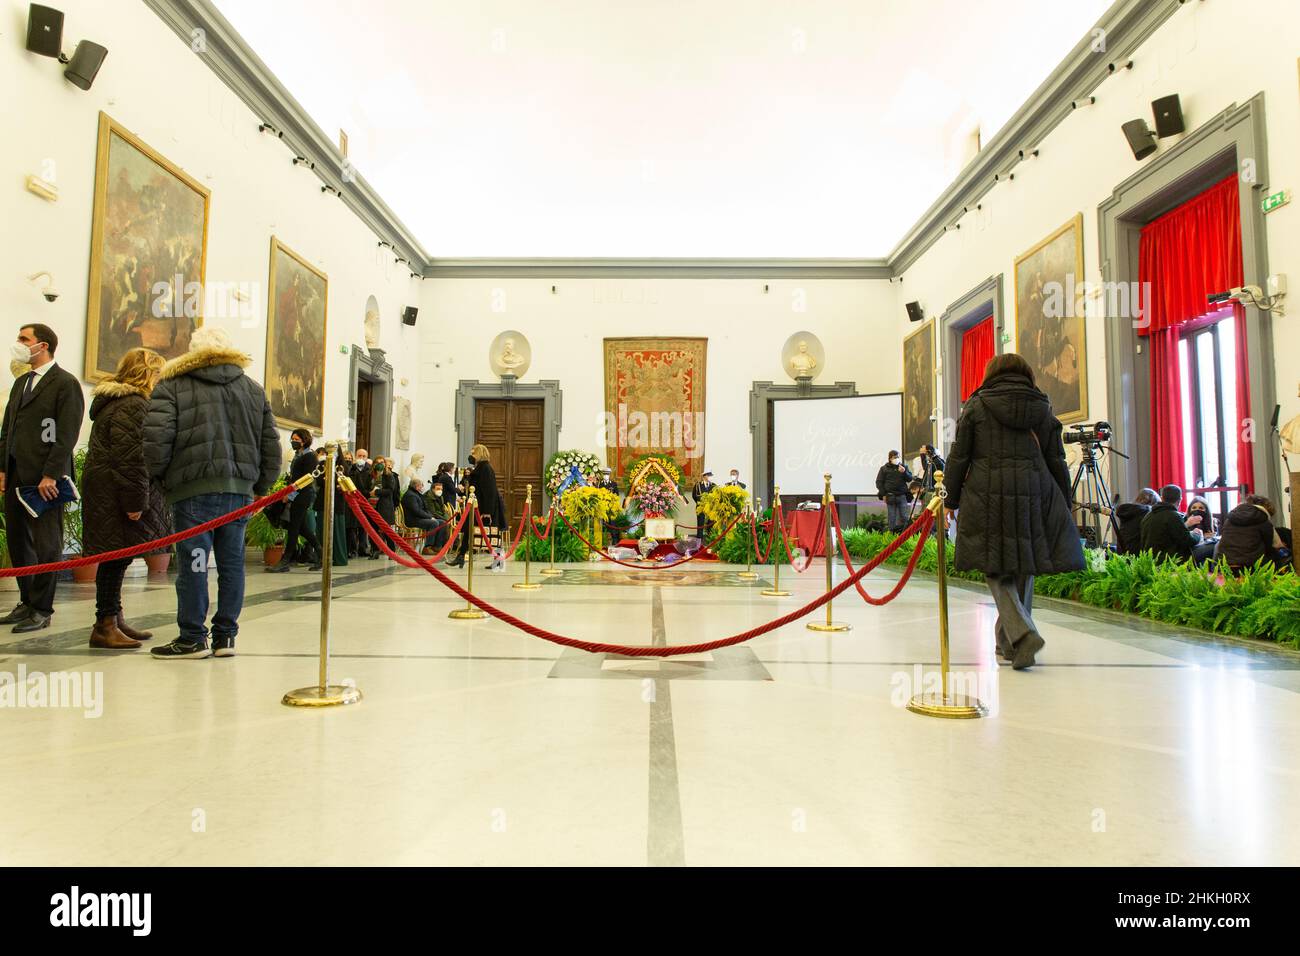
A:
579, 268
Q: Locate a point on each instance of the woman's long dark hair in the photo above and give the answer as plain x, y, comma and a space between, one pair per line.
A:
1009, 362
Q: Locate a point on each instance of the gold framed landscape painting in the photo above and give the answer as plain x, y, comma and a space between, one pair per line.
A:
1050, 319
918, 390
148, 252
296, 310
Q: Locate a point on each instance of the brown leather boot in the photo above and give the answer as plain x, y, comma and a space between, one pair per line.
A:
131, 632
106, 634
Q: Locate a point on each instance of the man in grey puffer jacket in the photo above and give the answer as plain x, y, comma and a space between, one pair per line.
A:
210, 437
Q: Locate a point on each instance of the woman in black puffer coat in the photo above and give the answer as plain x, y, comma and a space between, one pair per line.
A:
1007, 474
121, 505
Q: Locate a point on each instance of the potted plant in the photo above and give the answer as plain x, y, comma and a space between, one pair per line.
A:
74, 525
260, 533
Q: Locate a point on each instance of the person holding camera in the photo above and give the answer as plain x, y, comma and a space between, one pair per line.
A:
930, 463
892, 488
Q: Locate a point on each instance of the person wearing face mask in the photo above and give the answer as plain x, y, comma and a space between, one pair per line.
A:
304, 463
385, 491
41, 425
435, 499
483, 480
446, 478
734, 481
121, 505
363, 477
416, 514
891, 487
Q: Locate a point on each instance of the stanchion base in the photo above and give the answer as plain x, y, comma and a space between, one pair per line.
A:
833, 626
774, 592
467, 614
954, 706
747, 575
551, 572
317, 696
526, 586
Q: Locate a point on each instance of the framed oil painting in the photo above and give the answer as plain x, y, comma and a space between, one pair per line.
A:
296, 308
918, 390
148, 253
1050, 319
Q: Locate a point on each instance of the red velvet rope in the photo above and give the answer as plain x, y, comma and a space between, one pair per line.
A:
655, 567
898, 586
451, 539
821, 533
356, 502
528, 510
550, 523
148, 546
771, 539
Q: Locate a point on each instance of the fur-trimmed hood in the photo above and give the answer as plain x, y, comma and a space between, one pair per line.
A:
226, 364
109, 391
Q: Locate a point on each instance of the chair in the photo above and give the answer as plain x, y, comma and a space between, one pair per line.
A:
413, 536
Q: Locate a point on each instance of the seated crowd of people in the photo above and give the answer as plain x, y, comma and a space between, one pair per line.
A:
1152, 522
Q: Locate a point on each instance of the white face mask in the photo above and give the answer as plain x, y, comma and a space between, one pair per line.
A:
21, 353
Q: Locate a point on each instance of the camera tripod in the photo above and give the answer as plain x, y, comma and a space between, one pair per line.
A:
1090, 496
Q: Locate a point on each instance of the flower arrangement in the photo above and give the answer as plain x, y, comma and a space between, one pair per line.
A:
653, 467
722, 504
562, 462
655, 499
589, 506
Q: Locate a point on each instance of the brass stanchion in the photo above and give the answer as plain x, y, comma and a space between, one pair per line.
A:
551, 571
944, 704
525, 584
325, 694
469, 612
749, 574
827, 504
775, 589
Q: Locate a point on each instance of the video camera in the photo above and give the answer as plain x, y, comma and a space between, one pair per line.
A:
1085, 434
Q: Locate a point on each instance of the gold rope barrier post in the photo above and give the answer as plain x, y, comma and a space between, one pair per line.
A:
944, 704
749, 574
552, 570
325, 694
775, 589
827, 504
469, 612
525, 584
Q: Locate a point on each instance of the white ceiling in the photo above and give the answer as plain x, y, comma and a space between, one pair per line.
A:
817, 128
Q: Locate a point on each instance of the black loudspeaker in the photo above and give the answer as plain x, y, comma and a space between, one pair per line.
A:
1168, 111
914, 312
1140, 138
44, 30
85, 63
408, 315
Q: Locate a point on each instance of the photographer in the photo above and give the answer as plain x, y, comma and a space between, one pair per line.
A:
930, 463
891, 488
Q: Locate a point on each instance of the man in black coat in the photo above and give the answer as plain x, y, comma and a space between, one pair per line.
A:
416, 514
363, 476
700, 489
1164, 531
41, 424
930, 463
304, 463
210, 437
892, 482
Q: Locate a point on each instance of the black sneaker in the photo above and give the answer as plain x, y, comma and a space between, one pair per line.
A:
223, 645
21, 612
181, 650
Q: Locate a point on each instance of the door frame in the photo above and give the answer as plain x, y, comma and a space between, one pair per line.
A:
469, 391
374, 366
968, 311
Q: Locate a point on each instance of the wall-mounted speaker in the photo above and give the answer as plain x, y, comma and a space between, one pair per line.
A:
1140, 138
44, 30
914, 312
85, 63
408, 315
1168, 111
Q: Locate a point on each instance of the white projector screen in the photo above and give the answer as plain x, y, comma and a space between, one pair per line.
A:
849, 438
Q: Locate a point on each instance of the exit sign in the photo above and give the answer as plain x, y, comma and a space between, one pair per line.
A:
343, 349
1280, 198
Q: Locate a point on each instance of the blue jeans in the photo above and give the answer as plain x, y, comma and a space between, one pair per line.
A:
227, 542
897, 508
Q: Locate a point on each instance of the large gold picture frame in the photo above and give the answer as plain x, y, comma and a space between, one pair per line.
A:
149, 226
297, 315
918, 390
1055, 346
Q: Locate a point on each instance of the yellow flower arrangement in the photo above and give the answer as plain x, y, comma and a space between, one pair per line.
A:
722, 504
586, 507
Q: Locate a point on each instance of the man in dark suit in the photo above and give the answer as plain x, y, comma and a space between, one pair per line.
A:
702, 488
41, 425
416, 514
363, 476
607, 480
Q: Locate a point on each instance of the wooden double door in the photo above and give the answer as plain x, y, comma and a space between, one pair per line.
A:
511, 429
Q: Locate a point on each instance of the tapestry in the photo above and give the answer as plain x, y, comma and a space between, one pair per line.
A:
654, 402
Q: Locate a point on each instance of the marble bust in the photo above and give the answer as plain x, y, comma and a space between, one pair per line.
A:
802, 361
509, 359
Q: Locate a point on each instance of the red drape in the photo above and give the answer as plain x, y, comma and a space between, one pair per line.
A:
1183, 257
976, 350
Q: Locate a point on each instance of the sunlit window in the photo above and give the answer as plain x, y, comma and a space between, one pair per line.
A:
1207, 352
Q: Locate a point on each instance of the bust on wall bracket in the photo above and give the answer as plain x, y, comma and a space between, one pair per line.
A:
510, 355
803, 359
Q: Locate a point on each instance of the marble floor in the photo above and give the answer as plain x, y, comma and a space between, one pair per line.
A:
476, 744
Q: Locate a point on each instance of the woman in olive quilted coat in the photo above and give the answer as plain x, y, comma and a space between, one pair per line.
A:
122, 506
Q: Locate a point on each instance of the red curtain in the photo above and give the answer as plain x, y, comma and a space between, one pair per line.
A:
1183, 257
976, 350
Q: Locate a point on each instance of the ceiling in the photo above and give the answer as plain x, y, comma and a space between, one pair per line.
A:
661, 128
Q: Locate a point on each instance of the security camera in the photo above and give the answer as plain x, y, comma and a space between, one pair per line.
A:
49, 291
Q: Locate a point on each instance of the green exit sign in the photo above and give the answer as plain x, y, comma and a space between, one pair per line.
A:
1280, 198
343, 349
